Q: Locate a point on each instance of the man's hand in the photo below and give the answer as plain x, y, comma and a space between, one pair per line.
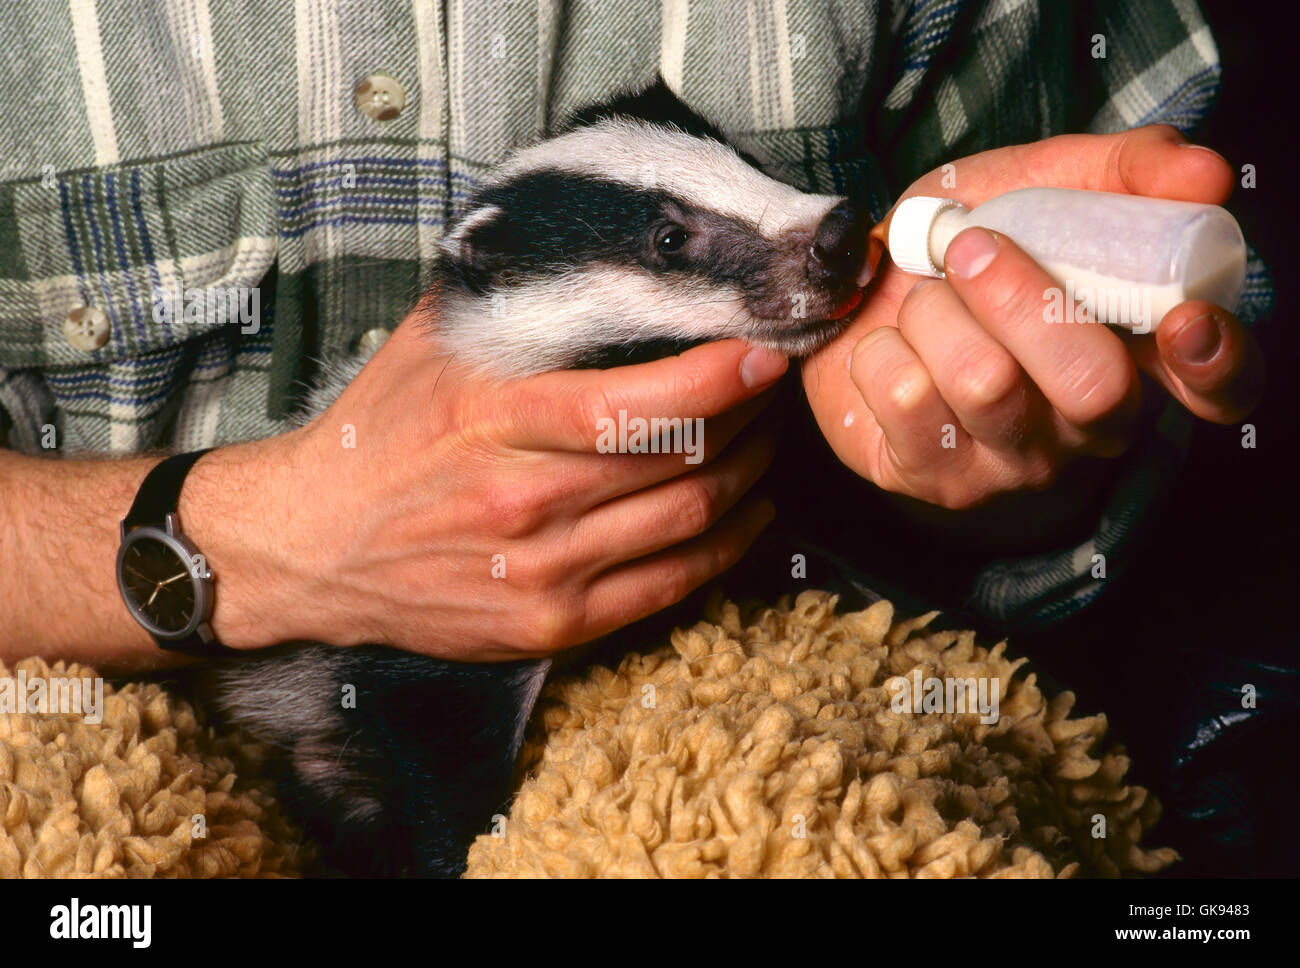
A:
430, 508
450, 514
1024, 399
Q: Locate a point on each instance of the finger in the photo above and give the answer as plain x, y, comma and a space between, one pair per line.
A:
1153, 160
1207, 359
577, 483
903, 398
659, 517
567, 410
977, 377
645, 586
1082, 369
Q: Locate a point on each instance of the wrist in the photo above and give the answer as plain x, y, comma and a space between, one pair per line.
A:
233, 507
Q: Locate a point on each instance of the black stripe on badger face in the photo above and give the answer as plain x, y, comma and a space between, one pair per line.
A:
553, 222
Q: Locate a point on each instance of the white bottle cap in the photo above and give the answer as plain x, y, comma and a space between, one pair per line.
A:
909, 233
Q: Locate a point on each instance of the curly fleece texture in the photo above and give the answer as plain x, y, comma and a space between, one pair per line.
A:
118, 798
763, 743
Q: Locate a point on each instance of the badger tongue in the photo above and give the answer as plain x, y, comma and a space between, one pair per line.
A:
850, 303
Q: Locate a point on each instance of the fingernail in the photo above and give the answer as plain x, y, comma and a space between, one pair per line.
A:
1188, 144
1198, 341
761, 366
971, 252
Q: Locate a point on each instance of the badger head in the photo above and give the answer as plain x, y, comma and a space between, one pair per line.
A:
624, 240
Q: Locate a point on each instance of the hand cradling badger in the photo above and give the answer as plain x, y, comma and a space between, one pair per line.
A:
616, 242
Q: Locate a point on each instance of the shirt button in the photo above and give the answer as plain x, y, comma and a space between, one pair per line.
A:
371, 340
86, 328
380, 97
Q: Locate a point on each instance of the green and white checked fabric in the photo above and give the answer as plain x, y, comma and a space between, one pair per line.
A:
151, 150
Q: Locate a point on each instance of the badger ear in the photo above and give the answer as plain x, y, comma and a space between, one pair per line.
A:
458, 244
462, 255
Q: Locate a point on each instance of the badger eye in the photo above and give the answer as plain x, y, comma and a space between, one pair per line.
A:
670, 239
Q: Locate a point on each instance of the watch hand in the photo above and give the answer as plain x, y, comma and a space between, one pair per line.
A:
136, 573
157, 589
173, 578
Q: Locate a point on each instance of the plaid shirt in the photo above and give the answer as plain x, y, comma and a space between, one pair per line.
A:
156, 156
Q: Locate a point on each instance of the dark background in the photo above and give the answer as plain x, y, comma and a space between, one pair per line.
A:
1209, 603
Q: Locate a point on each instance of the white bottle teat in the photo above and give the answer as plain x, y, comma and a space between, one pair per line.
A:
909, 234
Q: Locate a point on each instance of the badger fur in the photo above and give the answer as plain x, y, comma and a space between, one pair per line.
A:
618, 241
623, 235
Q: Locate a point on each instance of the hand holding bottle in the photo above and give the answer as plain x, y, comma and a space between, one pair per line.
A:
956, 391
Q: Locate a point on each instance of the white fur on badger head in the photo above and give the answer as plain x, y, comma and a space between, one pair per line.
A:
706, 173
623, 240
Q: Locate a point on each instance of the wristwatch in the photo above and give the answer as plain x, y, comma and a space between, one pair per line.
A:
164, 579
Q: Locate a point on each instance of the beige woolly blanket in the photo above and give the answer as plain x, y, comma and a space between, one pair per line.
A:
758, 743
135, 789
767, 743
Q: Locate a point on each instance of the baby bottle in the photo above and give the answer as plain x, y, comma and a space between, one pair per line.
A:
1120, 259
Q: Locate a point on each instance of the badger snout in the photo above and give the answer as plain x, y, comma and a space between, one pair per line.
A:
834, 258
837, 257
814, 278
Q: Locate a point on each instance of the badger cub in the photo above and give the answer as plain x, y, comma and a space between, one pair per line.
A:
616, 242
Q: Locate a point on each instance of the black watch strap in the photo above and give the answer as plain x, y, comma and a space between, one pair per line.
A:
196, 645
157, 497
160, 491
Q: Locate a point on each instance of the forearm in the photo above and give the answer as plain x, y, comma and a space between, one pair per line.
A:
59, 535
58, 548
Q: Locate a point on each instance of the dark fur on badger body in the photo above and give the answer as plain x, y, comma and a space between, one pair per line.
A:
616, 242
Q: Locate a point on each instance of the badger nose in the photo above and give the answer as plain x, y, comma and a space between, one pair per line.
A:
839, 248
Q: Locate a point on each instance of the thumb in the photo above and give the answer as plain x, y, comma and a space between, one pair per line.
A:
1206, 358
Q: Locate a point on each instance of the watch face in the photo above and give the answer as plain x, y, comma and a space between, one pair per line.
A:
156, 577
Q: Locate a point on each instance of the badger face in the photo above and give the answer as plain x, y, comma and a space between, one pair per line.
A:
624, 241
